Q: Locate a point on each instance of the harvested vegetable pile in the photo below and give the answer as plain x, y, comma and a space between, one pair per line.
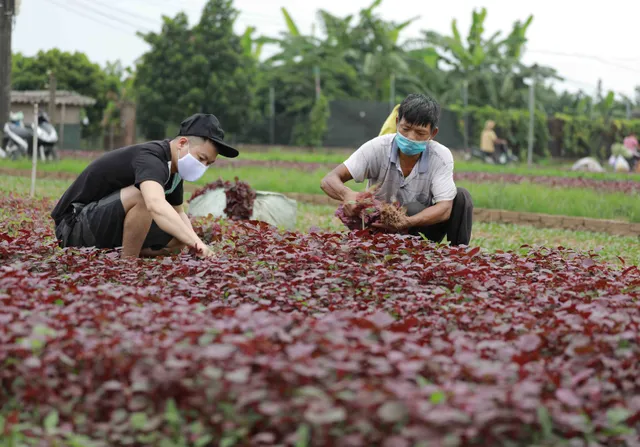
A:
369, 210
240, 197
321, 339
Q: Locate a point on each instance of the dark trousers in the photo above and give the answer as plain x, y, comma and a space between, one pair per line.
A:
500, 148
633, 162
100, 224
457, 228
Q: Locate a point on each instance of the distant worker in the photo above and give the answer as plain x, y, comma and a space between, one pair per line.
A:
490, 143
631, 144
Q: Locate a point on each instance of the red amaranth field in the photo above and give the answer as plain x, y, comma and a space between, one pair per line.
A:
316, 339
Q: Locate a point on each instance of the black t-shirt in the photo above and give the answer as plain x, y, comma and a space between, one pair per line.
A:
119, 169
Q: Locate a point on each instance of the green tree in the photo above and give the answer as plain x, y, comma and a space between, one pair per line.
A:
73, 71
162, 77
120, 81
298, 59
199, 69
313, 132
223, 75
381, 54
357, 56
291, 72
374, 47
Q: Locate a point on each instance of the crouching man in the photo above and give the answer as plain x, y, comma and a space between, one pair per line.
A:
133, 197
412, 169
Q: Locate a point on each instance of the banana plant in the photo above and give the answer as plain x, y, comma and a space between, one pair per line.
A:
491, 67
252, 47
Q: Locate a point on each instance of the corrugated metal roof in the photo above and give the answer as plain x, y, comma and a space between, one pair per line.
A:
42, 96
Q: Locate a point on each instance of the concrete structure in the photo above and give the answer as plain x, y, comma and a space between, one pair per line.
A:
66, 117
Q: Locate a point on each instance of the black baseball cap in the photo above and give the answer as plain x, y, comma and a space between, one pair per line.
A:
206, 125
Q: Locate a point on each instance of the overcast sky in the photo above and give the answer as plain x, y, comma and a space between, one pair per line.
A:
583, 42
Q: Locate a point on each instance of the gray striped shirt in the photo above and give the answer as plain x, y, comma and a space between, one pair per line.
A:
430, 181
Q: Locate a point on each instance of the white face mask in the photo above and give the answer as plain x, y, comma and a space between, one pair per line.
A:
189, 168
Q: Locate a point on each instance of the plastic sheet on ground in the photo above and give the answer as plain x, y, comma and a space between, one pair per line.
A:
587, 164
270, 207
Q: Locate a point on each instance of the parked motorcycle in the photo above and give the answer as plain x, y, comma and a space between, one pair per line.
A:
505, 157
18, 138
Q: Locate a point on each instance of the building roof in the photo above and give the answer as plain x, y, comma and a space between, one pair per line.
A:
42, 96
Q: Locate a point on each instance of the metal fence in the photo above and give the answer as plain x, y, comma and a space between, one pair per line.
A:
351, 123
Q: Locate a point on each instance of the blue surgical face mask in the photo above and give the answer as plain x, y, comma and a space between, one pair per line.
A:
410, 147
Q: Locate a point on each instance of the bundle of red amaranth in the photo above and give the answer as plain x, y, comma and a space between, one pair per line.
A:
240, 197
369, 210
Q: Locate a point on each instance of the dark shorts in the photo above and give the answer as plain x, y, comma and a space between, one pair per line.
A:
101, 224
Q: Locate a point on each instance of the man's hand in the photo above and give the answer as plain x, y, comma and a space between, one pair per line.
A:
350, 203
204, 251
166, 216
403, 224
333, 184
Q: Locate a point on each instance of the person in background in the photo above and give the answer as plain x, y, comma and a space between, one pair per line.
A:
409, 167
631, 144
490, 143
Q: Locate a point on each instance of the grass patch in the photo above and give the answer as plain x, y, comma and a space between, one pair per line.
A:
71, 165
260, 178
495, 236
320, 216
560, 171
544, 169
532, 198
335, 157
523, 197
271, 179
22, 185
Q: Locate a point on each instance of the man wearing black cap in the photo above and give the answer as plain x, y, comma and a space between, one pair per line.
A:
132, 197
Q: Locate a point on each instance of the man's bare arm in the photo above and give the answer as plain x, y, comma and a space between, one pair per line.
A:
166, 217
437, 213
333, 184
180, 210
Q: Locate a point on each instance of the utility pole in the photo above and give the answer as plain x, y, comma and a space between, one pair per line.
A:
111, 137
63, 117
392, 93
272, 115
465, 102
52, 95
316, 72
34, 155
532, 109
7, 12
